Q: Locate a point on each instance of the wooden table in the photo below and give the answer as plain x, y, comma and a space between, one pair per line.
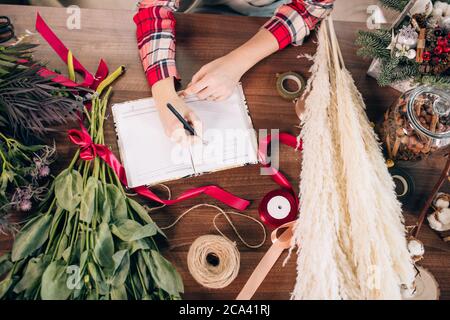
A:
200, 39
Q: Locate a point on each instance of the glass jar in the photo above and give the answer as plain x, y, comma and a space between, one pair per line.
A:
417, 124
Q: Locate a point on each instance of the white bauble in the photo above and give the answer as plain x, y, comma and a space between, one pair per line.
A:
411, 54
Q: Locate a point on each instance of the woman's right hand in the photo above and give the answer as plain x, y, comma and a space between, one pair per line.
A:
164, 93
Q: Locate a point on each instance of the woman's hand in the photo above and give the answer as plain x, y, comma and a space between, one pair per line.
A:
164, 93
216, 80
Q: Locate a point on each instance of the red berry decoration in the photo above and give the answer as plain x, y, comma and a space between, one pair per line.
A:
436, 60
427, 56
438, 50
442, 42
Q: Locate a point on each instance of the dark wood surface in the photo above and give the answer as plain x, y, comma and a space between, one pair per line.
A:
200, 39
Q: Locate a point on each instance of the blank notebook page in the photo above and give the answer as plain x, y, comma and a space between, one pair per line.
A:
150, 157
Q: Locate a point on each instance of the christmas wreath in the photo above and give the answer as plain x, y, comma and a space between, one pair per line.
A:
416, 48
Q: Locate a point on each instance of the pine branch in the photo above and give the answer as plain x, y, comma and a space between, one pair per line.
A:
374, 44
438, 81
397, 69
397, 5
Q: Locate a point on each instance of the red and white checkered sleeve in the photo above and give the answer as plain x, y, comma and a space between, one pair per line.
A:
294, 21
155, 34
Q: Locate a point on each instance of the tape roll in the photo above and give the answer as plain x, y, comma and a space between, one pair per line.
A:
286, 93
404, 183
278, 208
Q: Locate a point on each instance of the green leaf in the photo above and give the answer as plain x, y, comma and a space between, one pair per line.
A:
130, 230
164, 274
87, 207
69, 189
144, 215
104, 246
104, 202
54, 282
4, 286
121, 267
31, 238
62, 246
119, 293
118, 204
5, 264
32, 274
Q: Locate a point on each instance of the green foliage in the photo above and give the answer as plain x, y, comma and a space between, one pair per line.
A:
374, 44
397, 69
31, 105
397, 5
74, 250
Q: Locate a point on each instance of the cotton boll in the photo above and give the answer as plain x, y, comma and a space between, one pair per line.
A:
447, 11
440, 5
442, 203
444, 216
445, 23
434, 223
422, 7
416, 248
438, 13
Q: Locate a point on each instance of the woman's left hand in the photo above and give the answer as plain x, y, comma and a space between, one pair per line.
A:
216, 80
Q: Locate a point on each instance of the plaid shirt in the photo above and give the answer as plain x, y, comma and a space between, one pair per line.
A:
155, 32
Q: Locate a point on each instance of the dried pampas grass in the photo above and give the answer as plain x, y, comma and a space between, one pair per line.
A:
350, 233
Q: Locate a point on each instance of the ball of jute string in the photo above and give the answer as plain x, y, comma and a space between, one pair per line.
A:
213, 261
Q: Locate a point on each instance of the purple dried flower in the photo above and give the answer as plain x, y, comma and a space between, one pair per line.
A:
44, 172
25, 205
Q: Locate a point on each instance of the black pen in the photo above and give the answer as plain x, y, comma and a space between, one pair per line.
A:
186, 124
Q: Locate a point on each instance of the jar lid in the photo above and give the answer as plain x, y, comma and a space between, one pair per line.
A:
429, 111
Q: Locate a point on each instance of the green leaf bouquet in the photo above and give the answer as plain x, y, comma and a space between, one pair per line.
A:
89, 240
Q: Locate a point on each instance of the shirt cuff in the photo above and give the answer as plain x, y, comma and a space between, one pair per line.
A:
161, 70
280, 31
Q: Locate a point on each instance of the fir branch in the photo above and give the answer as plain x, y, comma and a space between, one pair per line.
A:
397, 5
374, 44
397, 69
438, 81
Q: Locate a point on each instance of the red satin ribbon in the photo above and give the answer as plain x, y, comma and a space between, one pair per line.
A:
61, 50
90, 150
278, 178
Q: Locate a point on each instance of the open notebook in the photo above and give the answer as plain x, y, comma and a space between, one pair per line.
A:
150, 157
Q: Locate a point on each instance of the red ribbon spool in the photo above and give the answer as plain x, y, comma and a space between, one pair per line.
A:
278, 208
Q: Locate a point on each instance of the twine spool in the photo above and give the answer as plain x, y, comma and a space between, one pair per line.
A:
213, 261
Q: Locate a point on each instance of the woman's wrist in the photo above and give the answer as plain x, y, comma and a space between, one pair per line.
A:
253, 51
164, 90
